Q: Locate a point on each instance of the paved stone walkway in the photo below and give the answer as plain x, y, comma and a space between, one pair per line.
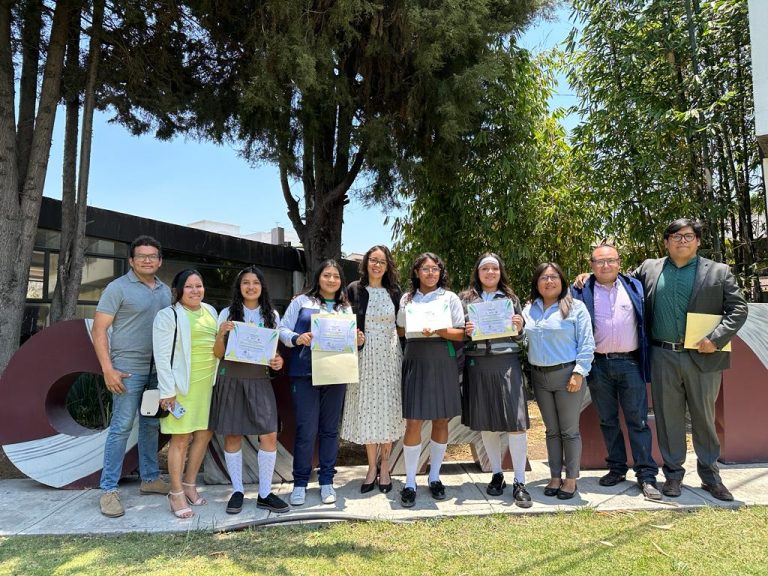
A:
27, 507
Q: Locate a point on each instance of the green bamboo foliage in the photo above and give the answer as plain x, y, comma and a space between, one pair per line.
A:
513, 193
665, 93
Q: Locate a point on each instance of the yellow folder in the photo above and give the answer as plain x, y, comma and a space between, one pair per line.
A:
698, 326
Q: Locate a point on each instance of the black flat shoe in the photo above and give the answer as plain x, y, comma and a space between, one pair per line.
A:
235, 504
563, 495
551, 491
365, 488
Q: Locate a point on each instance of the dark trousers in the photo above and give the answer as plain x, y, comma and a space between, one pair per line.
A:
318, 410
618, 382
677, 383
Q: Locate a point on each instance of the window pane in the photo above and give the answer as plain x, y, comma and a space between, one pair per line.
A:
36, 276
97, 273
47, 239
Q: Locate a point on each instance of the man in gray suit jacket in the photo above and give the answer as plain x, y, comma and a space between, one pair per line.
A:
675, 285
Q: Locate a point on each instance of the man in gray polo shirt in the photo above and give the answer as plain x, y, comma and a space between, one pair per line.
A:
128, 305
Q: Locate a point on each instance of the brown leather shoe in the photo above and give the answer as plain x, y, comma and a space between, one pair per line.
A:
718, 491
672, 488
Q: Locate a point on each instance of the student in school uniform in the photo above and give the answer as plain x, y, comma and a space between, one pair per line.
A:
495, 403
430, 374
243, 400
317, 408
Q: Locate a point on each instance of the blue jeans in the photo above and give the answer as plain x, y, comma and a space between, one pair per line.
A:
125, 408
318, 411
618, 382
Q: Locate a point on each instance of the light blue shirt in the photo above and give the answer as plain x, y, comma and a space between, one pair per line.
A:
555, 340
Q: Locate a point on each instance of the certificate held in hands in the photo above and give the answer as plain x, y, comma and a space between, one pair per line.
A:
434, 315
334, 349
700, 326
492, 319
251, 344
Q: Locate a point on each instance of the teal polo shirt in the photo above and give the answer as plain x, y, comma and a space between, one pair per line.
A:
670, 307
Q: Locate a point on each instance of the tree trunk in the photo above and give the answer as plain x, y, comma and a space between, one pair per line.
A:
71, 95
72, 260
20, 199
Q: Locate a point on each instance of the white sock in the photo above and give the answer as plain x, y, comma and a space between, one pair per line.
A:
436, 455
492, 443
411, 458
234, 461
518, 449
266, 468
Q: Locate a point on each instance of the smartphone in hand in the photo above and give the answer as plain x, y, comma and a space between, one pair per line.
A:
178, 410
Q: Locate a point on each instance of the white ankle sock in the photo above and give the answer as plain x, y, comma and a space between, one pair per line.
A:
266, 468
411, 459
518, 449
234, 461
436, 455
492, 443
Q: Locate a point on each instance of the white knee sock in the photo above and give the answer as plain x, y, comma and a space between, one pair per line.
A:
411, 458
436, 455
266, 468
492, 443
234, 461
518, 449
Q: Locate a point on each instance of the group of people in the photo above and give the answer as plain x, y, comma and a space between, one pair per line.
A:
609, 332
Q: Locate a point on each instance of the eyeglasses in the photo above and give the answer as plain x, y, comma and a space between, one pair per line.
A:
688, 237
549, 277
606, 261
146, 257
377, 262
429, 270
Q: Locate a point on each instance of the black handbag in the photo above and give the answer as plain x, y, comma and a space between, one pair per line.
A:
150, 398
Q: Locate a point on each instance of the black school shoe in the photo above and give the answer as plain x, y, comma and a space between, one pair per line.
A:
407, 497
235, 504
437, 489
496, 485
272, 503
520, 495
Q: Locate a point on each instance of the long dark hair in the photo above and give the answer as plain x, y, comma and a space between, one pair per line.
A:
340, 298
391, 279
177, 284
442, 282
564, 299
236, 313
476, 287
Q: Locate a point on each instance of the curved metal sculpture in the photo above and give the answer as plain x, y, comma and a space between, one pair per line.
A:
37, 432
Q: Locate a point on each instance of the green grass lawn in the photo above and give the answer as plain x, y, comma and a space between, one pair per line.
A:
707, 542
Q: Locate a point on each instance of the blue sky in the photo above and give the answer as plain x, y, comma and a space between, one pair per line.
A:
183, 180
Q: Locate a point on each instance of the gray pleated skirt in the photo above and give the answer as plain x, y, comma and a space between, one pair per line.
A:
243, 401
494, 399
430, 381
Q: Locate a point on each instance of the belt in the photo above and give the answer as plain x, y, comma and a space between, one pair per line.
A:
674, 346
617, 355
552, 368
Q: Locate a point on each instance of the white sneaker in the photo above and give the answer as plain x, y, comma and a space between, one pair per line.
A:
327, 494
298, 496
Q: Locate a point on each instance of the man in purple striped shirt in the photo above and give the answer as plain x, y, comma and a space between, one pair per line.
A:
620, 369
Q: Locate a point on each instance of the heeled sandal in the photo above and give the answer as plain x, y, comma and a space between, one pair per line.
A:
182, 513
200, 501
